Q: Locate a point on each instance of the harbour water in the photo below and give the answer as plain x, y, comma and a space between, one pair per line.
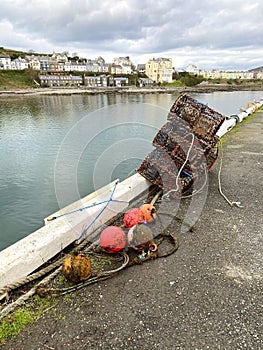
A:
56, 149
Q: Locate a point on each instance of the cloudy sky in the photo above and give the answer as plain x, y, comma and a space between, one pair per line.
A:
208, 33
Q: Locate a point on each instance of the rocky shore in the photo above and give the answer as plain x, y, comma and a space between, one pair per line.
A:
131, 89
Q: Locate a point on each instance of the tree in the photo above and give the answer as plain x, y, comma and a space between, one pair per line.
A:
189, 79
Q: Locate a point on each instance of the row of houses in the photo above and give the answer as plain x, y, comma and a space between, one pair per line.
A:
61, 63
100, 81
227, 75
159, 70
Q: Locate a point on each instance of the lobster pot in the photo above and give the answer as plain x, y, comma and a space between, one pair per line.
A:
161, 170
177, 139
185, 147
202, 120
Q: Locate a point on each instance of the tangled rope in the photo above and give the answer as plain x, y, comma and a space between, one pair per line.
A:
43, 290
81, 246
11, 307
181, 169
85, 246
150, 255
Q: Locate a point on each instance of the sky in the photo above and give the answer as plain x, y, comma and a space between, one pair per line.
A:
225, 35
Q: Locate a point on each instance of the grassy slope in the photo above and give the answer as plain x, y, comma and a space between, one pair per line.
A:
15, 53
16, 79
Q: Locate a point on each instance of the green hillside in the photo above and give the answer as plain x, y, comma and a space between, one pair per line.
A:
15, 53
11, 79
17, 79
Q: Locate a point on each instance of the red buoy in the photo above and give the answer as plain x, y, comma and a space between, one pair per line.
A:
113, 239
133, 217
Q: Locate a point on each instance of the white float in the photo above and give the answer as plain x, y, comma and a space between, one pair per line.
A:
231, 121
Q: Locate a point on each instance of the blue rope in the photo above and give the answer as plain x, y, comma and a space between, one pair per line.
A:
81, 209
101, 211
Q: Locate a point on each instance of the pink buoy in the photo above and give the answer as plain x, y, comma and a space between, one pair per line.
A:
113, 239
133, 217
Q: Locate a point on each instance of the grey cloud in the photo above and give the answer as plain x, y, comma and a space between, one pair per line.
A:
138, 27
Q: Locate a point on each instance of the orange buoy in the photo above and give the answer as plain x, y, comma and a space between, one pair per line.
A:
113, 239
133, 217
149, 212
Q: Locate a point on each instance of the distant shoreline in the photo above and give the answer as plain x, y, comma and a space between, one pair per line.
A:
123, 90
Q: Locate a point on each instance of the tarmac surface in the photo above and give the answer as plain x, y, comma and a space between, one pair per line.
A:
207, 295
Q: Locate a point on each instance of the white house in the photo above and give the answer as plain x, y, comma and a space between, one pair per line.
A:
33, 62
5, 62
121, 81
192, 69
126, 69
116, 69
19, 64
59, 57
60, 80
75, 66
93, 66
125, 63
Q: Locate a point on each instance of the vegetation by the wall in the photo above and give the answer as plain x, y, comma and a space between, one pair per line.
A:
18, 79
186, 79
190, 79
13, 323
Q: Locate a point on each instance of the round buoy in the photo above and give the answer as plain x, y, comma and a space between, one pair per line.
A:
76, 267
140, 235
113, 239
133, 217
149, 212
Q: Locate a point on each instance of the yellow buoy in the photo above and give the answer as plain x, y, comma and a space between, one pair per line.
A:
76, 267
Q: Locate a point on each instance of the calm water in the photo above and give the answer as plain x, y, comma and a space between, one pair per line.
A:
55, 149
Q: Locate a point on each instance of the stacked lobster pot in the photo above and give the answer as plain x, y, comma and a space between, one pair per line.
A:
185, 147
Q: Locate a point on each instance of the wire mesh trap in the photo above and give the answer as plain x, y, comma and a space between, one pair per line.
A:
185, 147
